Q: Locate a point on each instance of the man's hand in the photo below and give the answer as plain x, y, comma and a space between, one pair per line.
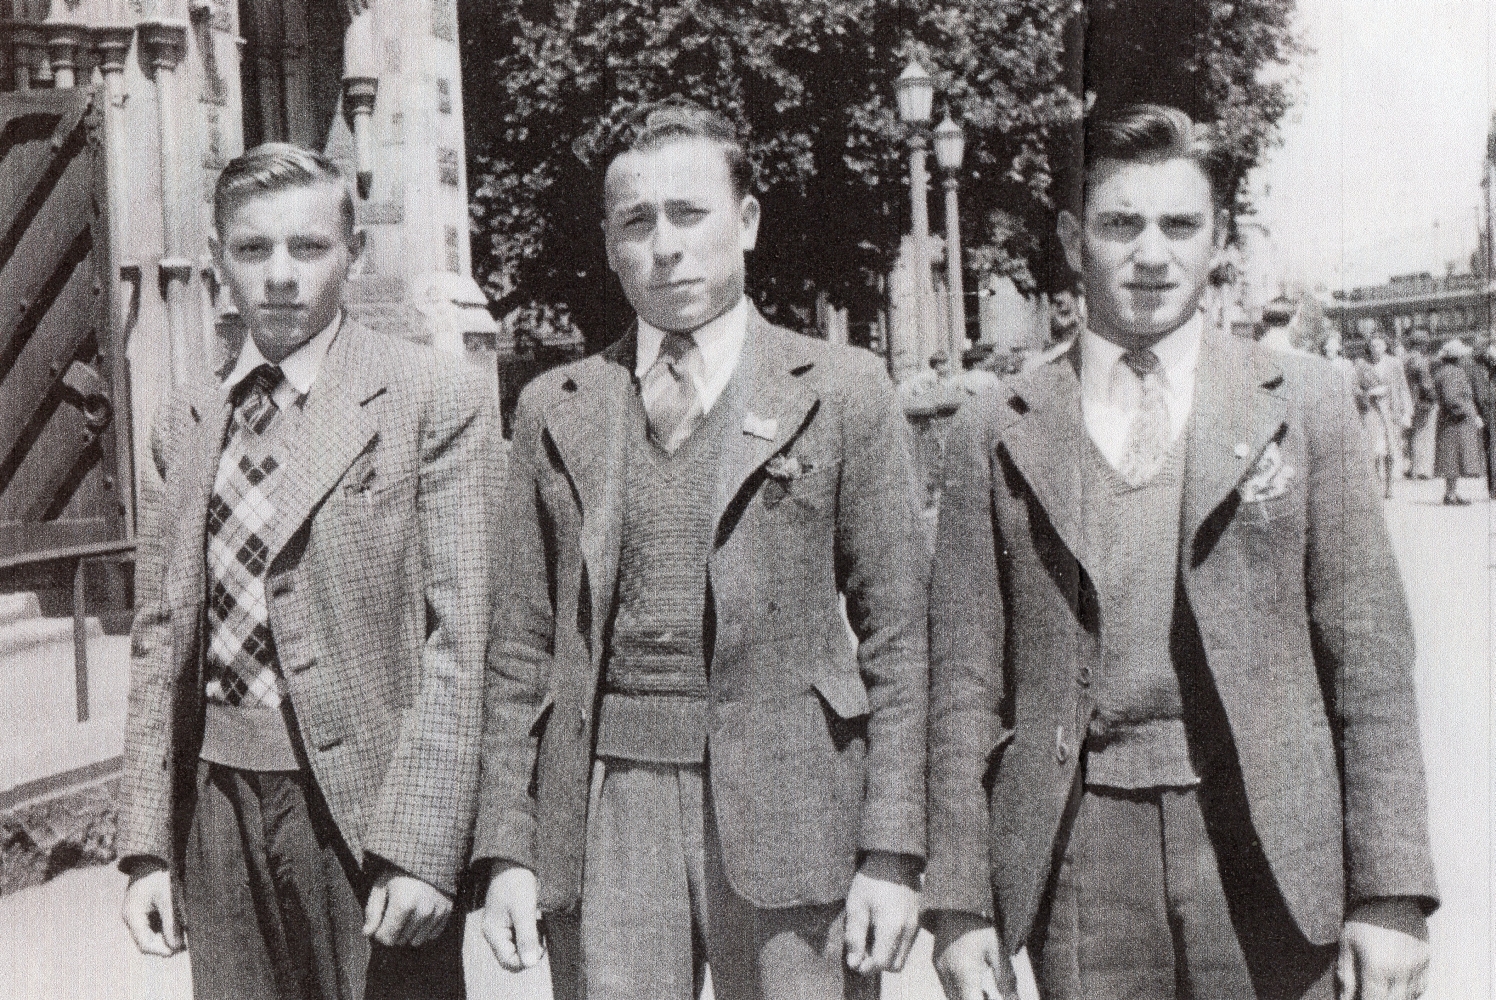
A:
970, 960
882, 900
151, 914
404, 912
1377, 963
511, 918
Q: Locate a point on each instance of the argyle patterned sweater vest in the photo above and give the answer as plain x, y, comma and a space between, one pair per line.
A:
247, 724
655, 680
1137, 738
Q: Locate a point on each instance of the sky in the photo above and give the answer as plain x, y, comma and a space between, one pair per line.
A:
1380, 166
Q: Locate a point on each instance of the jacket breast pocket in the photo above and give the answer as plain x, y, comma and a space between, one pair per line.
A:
812, 490
369, 490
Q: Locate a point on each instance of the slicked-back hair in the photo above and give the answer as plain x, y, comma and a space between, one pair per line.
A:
276, 166
1153, 133
658, 123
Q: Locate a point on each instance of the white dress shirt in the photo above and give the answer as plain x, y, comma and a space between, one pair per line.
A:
300, 367
1110, 391
719, 343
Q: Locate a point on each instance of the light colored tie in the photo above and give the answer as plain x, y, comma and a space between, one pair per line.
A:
1148, 436
669, 392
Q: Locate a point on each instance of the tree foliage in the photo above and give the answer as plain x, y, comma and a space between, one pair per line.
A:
811, 84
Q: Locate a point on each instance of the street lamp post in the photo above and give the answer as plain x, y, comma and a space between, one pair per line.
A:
950, 149
916, 94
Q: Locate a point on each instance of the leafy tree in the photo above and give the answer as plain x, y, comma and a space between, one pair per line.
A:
811, 84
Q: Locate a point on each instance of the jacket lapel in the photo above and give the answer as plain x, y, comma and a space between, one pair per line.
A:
1045, 444
771, 406
1239, 408
587, 428
338, 428
189, 486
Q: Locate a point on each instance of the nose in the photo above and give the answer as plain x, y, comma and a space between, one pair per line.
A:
1152, 249
280, 271
665, 244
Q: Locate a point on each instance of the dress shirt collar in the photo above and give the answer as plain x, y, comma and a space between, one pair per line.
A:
719, 342
300, 367
1178, 355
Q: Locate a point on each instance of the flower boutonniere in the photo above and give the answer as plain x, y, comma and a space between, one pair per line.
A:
1269, 478
786, 468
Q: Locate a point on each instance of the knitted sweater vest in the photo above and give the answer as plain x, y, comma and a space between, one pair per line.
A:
655, 678
254, 737
1137, 737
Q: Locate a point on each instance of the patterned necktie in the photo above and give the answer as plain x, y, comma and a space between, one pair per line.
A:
1148, 436
669, 392
241, 661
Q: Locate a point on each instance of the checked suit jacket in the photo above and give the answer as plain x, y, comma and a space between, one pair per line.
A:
378, 594
816, 748
1294, 603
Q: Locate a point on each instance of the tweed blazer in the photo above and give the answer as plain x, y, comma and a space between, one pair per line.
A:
1289, 577
378, 594
816, 749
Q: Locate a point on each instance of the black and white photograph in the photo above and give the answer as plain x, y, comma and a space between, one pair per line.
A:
747, 499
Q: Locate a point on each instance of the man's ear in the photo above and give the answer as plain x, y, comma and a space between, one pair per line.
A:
215, 247
1068, 228
358, 242
748, 215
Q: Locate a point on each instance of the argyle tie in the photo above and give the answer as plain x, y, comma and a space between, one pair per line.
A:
241, 667
669, 392
1148, 436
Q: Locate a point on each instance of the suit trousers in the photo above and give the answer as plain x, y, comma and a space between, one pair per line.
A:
1142, 907
658, 910
274, 903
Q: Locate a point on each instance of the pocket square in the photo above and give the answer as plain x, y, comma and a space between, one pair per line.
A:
1269, 478
760, 427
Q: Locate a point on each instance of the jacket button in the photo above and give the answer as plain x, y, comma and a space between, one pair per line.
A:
1083, 677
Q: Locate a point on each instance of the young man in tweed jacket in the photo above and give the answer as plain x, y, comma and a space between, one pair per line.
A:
1174, 747
301, 748
686, 762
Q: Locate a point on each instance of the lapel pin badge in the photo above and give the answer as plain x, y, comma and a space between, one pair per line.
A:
760, 427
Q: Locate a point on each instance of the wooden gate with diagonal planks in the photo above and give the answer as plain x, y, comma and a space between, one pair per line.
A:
64, 445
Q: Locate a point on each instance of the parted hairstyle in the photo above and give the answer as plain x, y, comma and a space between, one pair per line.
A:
652, 125
1151, 133
276, 166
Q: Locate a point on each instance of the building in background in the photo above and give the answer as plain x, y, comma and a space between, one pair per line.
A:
1456, 305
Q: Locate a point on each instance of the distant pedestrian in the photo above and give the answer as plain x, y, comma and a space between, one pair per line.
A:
1390, 368
1458, 452
1381, 434
1487, 361
1422, 428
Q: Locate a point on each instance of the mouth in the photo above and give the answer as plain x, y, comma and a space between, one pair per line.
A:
1151, 287
282, 308
680, 285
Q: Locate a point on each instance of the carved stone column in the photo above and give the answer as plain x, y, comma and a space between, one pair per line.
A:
25, 42
63, 41
164, 44
360, 89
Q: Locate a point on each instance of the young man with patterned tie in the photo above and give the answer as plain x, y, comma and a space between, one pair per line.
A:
1174, 746
301, 748
687, 761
